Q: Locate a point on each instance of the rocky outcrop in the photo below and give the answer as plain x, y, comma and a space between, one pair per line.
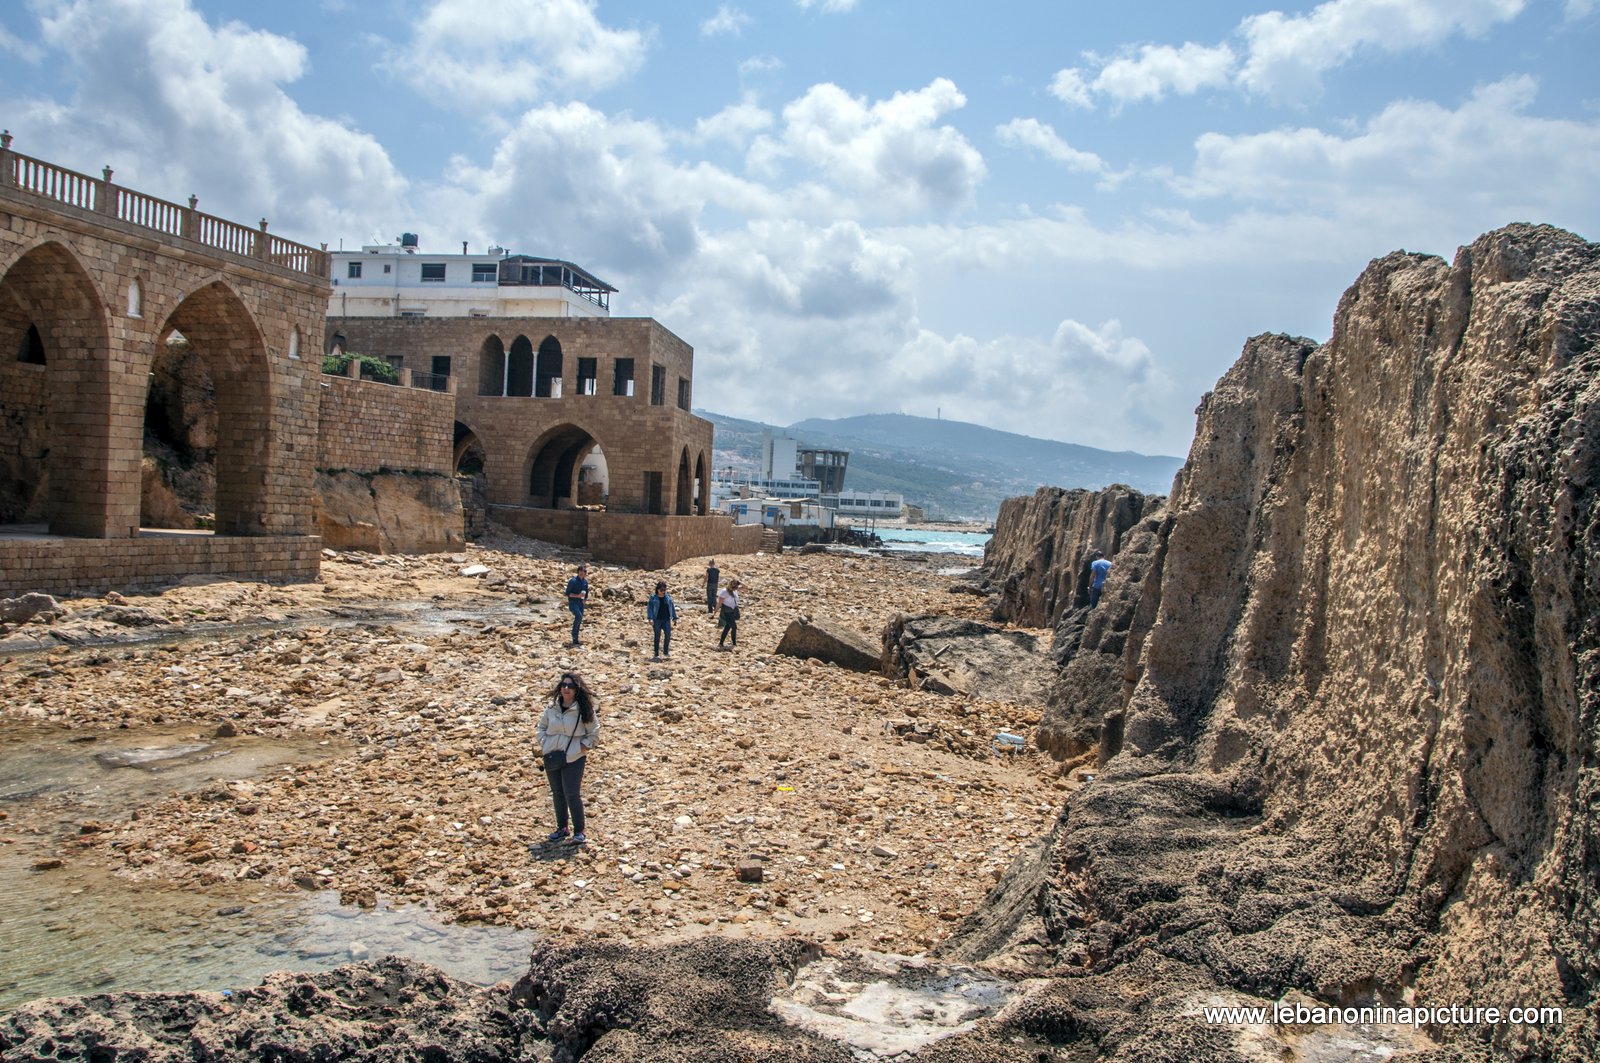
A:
1042, 545
1358, 760
389, 512
392, 1010
951, 656
830, 642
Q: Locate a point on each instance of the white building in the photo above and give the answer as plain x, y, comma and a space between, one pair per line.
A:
882, 505
396, 280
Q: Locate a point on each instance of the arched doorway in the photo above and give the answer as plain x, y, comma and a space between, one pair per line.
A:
683, 502
702, 487
553, 464
177, 483
221, 332
519, 368
547, 376
492, 367
56, 392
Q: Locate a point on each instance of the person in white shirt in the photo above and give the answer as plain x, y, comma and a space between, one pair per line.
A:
728, 599
568, 729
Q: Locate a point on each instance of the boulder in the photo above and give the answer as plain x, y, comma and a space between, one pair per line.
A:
947, 655
30, 607
832, 643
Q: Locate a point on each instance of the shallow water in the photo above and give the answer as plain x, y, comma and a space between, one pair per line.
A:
77, 928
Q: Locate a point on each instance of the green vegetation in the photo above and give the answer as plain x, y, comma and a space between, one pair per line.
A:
372, 368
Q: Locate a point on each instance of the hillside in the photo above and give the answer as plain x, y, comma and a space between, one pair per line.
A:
953, 469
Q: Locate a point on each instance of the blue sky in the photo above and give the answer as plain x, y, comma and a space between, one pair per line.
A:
1061, 219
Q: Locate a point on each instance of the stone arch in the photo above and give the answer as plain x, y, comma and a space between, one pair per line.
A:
553, 463
469, 457
547, 369
57, 466
338, 344
702, 486
683, 501
519, 368
222, 331
492, 367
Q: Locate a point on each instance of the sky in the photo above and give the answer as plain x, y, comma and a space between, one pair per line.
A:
1055, 218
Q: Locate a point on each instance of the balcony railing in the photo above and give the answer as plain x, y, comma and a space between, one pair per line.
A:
100, 196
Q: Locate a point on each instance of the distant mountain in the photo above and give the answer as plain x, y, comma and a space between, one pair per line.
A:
953, 469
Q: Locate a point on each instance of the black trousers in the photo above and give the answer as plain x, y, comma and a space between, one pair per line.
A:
566, 791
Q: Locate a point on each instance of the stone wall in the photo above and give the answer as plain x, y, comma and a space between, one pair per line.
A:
365, 426
640, 540
89, 566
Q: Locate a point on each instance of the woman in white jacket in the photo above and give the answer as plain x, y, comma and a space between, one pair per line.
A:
567, 730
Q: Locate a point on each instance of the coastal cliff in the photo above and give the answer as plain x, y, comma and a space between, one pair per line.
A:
1358, 729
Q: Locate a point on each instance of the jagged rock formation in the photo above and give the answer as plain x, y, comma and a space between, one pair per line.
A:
1042, 544
952, 656
1359, 757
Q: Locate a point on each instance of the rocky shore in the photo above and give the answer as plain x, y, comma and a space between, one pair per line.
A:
881, 814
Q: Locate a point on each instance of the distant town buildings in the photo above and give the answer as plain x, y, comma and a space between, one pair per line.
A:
789, 472
397, 280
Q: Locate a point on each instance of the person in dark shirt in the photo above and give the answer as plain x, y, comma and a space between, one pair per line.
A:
713, 576
663, 613
577, 595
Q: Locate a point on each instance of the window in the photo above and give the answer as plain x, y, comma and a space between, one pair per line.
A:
396, 360
623, 384
441, 365
353, 271
433, 272
485, 273
413, 313
135, 299
294, 343
658, 385
588, 371
386, 267
683, 393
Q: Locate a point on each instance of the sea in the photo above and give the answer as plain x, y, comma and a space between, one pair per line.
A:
917, 540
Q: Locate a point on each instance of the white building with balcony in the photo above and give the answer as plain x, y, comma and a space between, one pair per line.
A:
398, 280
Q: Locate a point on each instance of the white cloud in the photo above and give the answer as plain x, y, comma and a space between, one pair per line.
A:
511, 53
1032, 133
1416, 161
893, 155
759, 64
736, 123
177, 105
1151, 71
1288, 53
1070, 88
728, 19
1577, 9
1284, 56
829, 6
10, 42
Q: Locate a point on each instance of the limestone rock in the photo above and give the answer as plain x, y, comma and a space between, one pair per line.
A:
954, 656
834, 643
30, 607
389, 512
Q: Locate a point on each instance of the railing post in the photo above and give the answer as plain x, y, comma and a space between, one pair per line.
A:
188, 229
8, 173
106, 195
353, 370
405, 378
261, 242
449, 385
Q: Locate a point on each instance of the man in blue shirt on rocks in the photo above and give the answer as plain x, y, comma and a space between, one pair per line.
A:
1099, 569
577, 594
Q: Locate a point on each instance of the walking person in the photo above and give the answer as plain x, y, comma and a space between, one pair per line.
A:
663, 613
713, 575
728, 599
568, 729
577, 597
1099, 569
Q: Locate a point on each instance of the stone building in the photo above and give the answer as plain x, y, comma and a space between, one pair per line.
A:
93, 279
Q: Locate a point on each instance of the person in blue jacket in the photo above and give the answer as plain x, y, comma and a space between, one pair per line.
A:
663, 614
1099, 569
577, 595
